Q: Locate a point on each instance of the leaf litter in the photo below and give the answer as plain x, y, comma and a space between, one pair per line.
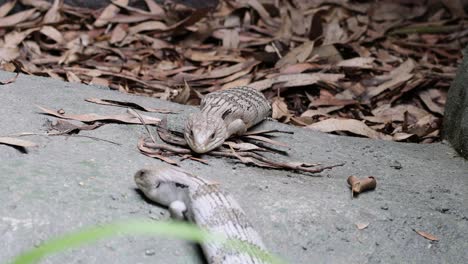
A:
245, 152
305, 56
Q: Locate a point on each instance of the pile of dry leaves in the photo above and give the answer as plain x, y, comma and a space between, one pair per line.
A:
375, 69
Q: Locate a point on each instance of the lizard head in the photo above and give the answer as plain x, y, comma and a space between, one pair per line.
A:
205, 132
162, 185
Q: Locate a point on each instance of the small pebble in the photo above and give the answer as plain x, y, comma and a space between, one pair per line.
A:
150, 252
396, 165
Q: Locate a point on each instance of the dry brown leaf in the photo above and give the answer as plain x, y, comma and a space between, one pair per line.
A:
401, 136
428, 97
182, 95
297, 55
61, 127
151, 153
349, 125
426, 235
6, 8
52, 33
291, 80
17, 18
322, 111
396, 78
255, 4
359, 62
298, 68
456, 7
72, 77
219, 73
154, 7
328, 53
267, 140
128, 104
212, 56
42, 5
242, 146
424, 126
362, 226
106, 15
267, 131
148, 26
99, 81
119, 33
13, 39
89, 118
53, 14
334, 33
280, 109
15, 142
387, 113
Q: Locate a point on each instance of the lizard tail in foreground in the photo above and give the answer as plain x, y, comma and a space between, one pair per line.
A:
202, 202
223, 114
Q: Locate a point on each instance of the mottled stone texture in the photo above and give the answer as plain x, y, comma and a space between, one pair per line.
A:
456, 110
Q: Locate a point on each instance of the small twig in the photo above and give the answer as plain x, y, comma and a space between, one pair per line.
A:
91, 137
427, 29
143, 122
60, 134
167, 148
250, 133
276, 50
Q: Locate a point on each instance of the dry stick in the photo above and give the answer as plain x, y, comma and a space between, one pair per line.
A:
167, 148
249, 133
143, 122
427, 29
65, 135
91, 137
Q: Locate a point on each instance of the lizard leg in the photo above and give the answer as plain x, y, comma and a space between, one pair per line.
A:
177, 210
237, 127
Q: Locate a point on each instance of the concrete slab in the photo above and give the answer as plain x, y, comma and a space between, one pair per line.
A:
69, 183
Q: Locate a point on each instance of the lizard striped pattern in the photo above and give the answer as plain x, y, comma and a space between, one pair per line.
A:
204, 203
223, 114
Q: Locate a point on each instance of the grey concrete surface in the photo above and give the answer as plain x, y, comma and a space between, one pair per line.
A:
456, 110
69, 182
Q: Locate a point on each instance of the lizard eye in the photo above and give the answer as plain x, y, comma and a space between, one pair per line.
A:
191, 133
212, 136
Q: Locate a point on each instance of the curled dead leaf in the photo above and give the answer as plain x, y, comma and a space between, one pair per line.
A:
361, 185
426, 235
349, 125
17, 18
362, 226
17, 142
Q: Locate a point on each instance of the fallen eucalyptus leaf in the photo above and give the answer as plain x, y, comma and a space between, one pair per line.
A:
89, 118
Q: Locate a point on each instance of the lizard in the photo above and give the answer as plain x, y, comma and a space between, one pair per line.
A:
224, 114
207, 205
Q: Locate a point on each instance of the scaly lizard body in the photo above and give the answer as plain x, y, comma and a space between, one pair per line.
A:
202, 202
223, 114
